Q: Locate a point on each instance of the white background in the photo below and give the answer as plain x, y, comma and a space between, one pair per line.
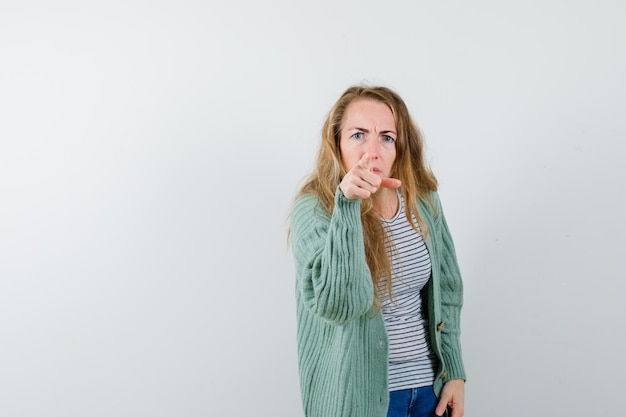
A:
150, 151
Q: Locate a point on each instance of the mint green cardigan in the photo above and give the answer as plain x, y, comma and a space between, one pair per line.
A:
342, 342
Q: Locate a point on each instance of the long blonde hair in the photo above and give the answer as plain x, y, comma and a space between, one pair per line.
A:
409, 167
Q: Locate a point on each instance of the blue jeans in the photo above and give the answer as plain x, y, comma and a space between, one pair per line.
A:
413, 402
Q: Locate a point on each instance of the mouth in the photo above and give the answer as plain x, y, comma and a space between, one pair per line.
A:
377, 171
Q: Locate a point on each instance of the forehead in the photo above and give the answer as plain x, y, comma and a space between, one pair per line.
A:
368, 113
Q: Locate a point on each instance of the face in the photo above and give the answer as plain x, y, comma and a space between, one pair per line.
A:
368, 126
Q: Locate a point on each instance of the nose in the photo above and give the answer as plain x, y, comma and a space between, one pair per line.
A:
373, 148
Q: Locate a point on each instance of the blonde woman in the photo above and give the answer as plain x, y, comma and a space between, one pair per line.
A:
378, 287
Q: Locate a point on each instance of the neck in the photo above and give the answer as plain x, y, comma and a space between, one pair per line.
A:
385, 202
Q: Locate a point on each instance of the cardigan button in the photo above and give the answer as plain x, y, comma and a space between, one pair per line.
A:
440, 326
443, 374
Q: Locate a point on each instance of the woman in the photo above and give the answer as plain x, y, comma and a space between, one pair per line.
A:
378, 287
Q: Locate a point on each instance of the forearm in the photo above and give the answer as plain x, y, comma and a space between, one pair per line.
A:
333, 277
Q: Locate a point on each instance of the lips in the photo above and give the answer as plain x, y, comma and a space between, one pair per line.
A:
376, 171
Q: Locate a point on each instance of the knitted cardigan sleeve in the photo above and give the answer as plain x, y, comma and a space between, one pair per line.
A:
333, 278
451, 287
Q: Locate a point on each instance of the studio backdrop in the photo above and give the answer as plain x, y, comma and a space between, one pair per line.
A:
150, 152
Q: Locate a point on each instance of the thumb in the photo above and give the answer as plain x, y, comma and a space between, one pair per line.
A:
442, 405
390, 183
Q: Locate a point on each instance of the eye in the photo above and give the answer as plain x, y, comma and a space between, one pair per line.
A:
357, 135
388, 139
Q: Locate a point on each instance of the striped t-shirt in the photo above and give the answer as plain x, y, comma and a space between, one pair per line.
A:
411, 360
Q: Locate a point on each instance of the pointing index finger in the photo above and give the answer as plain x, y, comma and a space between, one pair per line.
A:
364, 162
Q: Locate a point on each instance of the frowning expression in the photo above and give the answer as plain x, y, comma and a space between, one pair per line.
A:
368, 126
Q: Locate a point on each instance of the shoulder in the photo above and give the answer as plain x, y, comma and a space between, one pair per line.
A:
430, 205
305, 200
306, 211
307, 205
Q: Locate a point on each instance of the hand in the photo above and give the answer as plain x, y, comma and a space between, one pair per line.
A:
360, 182
453, 396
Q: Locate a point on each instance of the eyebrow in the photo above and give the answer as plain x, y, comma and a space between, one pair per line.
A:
367, 131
